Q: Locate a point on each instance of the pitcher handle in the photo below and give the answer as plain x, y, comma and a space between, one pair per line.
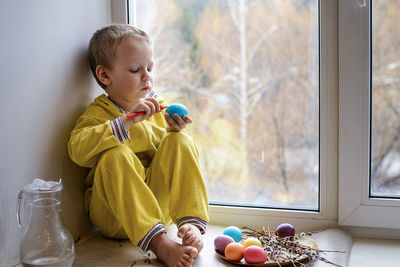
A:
19, 199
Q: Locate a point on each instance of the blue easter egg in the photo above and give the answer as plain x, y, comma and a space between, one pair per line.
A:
233, 232
178, 109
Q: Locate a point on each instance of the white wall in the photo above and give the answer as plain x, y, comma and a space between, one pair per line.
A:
45, 85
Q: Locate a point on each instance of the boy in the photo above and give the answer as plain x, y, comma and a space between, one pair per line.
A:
145, 171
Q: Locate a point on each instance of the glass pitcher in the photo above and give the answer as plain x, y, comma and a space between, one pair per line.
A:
46, 242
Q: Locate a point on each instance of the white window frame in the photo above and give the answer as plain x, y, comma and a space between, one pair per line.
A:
120, 12
327, 214
356, 208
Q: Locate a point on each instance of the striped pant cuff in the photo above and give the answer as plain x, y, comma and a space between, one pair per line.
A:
155, 230
199, 223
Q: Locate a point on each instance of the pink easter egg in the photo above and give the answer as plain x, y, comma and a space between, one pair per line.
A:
254, 254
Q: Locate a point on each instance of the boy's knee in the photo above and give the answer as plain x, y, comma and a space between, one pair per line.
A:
180, 142
116, 154
119, 161
179, 139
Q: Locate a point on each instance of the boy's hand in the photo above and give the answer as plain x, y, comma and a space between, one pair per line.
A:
179, 124
147, 105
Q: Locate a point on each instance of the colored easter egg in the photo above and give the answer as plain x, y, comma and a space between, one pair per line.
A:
285, 229
220, 243
252, 241
255, 254
233, 232
234, 251
178, 109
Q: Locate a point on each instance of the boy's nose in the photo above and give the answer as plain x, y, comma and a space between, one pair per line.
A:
147, 80
146, 77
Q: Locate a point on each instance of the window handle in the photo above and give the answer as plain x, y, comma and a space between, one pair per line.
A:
362, 3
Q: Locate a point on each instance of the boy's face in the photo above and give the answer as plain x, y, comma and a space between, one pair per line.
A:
130, 77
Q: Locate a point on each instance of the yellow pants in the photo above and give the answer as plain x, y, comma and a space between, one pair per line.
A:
128, 200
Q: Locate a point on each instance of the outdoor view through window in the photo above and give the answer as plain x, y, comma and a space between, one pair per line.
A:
248, 71
385, 130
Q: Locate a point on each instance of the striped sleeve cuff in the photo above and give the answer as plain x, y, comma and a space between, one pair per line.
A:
119, 130
199, 223
153, 94
155, 230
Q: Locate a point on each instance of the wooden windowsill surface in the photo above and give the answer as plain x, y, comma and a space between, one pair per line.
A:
98, 251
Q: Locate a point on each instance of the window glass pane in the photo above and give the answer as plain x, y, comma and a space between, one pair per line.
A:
385, 122
248, 70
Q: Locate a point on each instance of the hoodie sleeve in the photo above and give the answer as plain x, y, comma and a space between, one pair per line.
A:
89, 139
100, 128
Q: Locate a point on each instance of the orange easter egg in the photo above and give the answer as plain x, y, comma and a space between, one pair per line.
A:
234, 251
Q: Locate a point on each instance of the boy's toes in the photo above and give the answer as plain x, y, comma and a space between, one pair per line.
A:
183, 230
192, 242
184, 264
188, 258
193, 252
198, 246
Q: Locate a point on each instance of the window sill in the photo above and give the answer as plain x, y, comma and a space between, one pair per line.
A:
374, 252
99, 251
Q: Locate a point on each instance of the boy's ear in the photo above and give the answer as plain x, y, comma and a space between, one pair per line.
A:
103, 74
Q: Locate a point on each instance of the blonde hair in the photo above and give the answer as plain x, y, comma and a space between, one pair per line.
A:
105, 41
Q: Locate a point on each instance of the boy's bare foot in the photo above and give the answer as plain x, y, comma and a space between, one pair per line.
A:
191, 236
171, 253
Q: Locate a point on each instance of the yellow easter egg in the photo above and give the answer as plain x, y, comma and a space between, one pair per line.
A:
252, 241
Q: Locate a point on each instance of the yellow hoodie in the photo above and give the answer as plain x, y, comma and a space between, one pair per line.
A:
182, 196
93, 134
